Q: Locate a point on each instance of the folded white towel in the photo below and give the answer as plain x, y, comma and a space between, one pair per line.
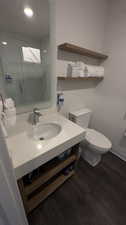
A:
77, 72
78, 69
94, 70
10, 112
68, 68
80, 64
63, 68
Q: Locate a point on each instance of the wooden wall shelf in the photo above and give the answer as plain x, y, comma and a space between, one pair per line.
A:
82, 51
81, 78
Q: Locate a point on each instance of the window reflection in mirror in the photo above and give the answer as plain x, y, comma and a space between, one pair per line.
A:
25, 52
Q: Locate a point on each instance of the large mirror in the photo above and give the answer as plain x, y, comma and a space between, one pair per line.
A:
25, 52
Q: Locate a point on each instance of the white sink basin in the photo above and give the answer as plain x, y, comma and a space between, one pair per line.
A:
46, 131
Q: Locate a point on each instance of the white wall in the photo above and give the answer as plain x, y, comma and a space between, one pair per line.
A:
110, 104
81, 22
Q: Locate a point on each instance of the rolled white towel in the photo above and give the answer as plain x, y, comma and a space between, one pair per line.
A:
10, 112
1, 107
9, 103
10, 117
5, 135
11, 121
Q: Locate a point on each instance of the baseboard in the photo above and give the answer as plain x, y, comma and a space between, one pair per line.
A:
118, 155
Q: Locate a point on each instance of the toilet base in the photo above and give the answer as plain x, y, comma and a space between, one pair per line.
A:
91, 157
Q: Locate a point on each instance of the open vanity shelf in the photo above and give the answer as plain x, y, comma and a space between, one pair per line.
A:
51, 176
81, 78
82, 51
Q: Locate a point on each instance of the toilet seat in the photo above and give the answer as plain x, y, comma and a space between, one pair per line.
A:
97, 140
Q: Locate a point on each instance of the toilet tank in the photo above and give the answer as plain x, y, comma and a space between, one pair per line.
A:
81, 117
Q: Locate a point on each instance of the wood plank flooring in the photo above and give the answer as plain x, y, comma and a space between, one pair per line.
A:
93, 196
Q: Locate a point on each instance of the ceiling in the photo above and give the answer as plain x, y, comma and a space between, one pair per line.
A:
12, 18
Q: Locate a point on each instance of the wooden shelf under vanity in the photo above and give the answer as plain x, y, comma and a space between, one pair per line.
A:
82, 51
45, 192
95, 78
51, 176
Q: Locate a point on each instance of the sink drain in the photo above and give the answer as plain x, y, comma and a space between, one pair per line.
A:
41, 138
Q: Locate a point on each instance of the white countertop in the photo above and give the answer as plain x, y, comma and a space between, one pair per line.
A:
28, 154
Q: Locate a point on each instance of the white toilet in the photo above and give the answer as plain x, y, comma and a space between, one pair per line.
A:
95, 144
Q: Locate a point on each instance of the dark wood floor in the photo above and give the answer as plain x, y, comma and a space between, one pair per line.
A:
94, 196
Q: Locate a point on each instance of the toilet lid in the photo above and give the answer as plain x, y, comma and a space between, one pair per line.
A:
97, 139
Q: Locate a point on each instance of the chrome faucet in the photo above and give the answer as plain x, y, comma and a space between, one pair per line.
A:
34, 116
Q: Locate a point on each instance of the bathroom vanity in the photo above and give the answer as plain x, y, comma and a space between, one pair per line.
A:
43, 157
27, 69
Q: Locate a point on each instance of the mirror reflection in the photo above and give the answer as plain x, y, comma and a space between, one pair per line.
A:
24, 51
